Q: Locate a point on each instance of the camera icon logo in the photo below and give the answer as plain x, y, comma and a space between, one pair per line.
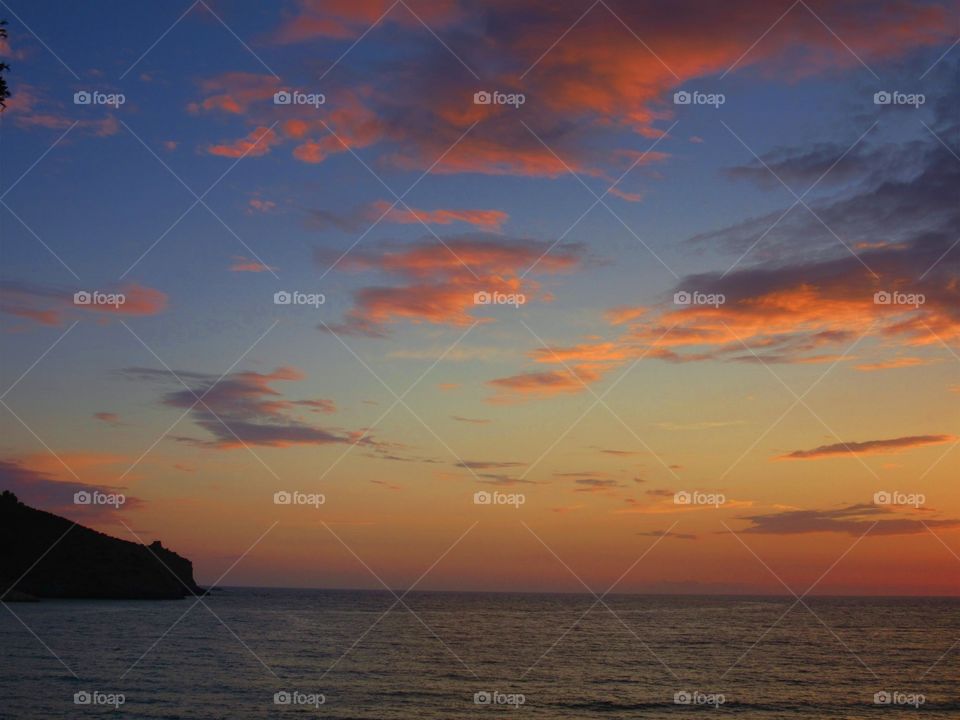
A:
882, 498
282, 497
82, 298
682, 298
882, 297
282, 97
482, 97
482, 497
82, 698
482, 698
282, 298
682, 97
882, 98
482, 298
82, 497
282, 698
682, 697
882, 698
82, 98
682, 498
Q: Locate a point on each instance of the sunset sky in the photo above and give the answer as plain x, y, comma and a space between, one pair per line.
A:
795, 198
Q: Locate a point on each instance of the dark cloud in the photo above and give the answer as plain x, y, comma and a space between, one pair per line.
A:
472, 421
594, 485
853, 520
488, 464
868, 447
244, 409
667, 534
654, 492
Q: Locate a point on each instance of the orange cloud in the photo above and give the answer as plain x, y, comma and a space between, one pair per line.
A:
262, 205
439, 281
900, 362
51, 306
542, 384
235, 92
798, 313
481, 219
598, 77
258, 142
869, 447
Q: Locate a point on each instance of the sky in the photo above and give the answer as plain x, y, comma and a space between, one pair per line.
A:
718, 245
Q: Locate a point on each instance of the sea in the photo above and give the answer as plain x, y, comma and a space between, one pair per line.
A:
265, 653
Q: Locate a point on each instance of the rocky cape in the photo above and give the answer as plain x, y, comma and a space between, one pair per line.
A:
43, 555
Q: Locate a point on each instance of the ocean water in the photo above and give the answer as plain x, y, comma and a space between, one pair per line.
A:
355, 654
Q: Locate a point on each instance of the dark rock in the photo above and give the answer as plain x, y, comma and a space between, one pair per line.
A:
84, 563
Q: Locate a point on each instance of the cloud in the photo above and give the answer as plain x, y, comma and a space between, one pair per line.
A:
541, 384
235, 92
806, 312
869, 447
472, 421
349, 18
598, 79
107, 417
853, 520
620, 453
900, 362
48, 305
436, 283
243, 408
242, 264
363, 216
654, 492
257, 142
488, 465
805, 299
262, 206
42, 487
595, 485
667, 534
29, 108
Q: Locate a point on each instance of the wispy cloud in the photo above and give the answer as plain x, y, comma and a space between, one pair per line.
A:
868, 447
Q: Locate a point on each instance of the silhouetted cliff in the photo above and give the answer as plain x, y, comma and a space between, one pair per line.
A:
84, 563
